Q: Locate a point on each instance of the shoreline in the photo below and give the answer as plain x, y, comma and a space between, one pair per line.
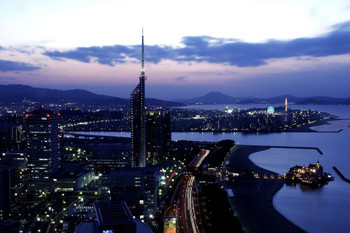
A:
307, 128
253, 201
301, 129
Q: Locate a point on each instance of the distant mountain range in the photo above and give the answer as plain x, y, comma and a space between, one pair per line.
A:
17, 93
219, 98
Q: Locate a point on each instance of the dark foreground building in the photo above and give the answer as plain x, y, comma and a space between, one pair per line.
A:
5, 191
113, 217
145, 181
158, 135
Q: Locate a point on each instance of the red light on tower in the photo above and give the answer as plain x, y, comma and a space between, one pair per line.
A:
47, 115
27, 115
59, 114
42, 106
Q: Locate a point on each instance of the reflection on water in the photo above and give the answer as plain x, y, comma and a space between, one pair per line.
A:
280, 160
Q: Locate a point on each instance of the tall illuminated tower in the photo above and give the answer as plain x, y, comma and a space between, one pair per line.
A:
137, 105
286, 104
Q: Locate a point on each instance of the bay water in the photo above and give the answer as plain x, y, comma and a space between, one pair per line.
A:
324, 209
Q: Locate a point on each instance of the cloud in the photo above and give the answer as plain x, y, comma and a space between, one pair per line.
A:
6, 66
110, 55
7, 78
218, 50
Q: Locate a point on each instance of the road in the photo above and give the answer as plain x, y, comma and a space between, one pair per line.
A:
185, 209
197, 161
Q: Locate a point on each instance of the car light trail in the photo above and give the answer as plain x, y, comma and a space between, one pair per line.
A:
171, 176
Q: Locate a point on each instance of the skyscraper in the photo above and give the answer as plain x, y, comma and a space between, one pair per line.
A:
158, 135
43, 148
137, 104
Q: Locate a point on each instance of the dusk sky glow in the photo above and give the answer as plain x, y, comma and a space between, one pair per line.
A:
240, 48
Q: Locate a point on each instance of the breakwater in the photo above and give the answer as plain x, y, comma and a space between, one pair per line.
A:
299, 147
341, 175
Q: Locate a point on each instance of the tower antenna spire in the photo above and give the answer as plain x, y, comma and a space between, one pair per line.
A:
143, 57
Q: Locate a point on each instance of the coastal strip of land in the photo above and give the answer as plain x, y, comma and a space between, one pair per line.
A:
307, 128
252, 199
341, 175
297, 147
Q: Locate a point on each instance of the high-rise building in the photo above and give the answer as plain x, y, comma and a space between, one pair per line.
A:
43, 148
138, 134
158, 135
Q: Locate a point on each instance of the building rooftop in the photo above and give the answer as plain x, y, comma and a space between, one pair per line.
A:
135, 171
115, 212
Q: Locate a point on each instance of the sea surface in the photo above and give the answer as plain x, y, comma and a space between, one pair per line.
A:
325, 209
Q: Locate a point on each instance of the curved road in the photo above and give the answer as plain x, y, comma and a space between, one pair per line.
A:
185, 206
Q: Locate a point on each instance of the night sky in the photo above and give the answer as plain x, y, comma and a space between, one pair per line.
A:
240, 48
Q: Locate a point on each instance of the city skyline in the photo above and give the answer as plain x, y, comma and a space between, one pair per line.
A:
249, 48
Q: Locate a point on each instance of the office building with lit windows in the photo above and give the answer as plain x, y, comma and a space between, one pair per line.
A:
43, 148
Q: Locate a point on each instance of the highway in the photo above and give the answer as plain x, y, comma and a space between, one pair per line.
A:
192, 209
197, 161
185, 205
